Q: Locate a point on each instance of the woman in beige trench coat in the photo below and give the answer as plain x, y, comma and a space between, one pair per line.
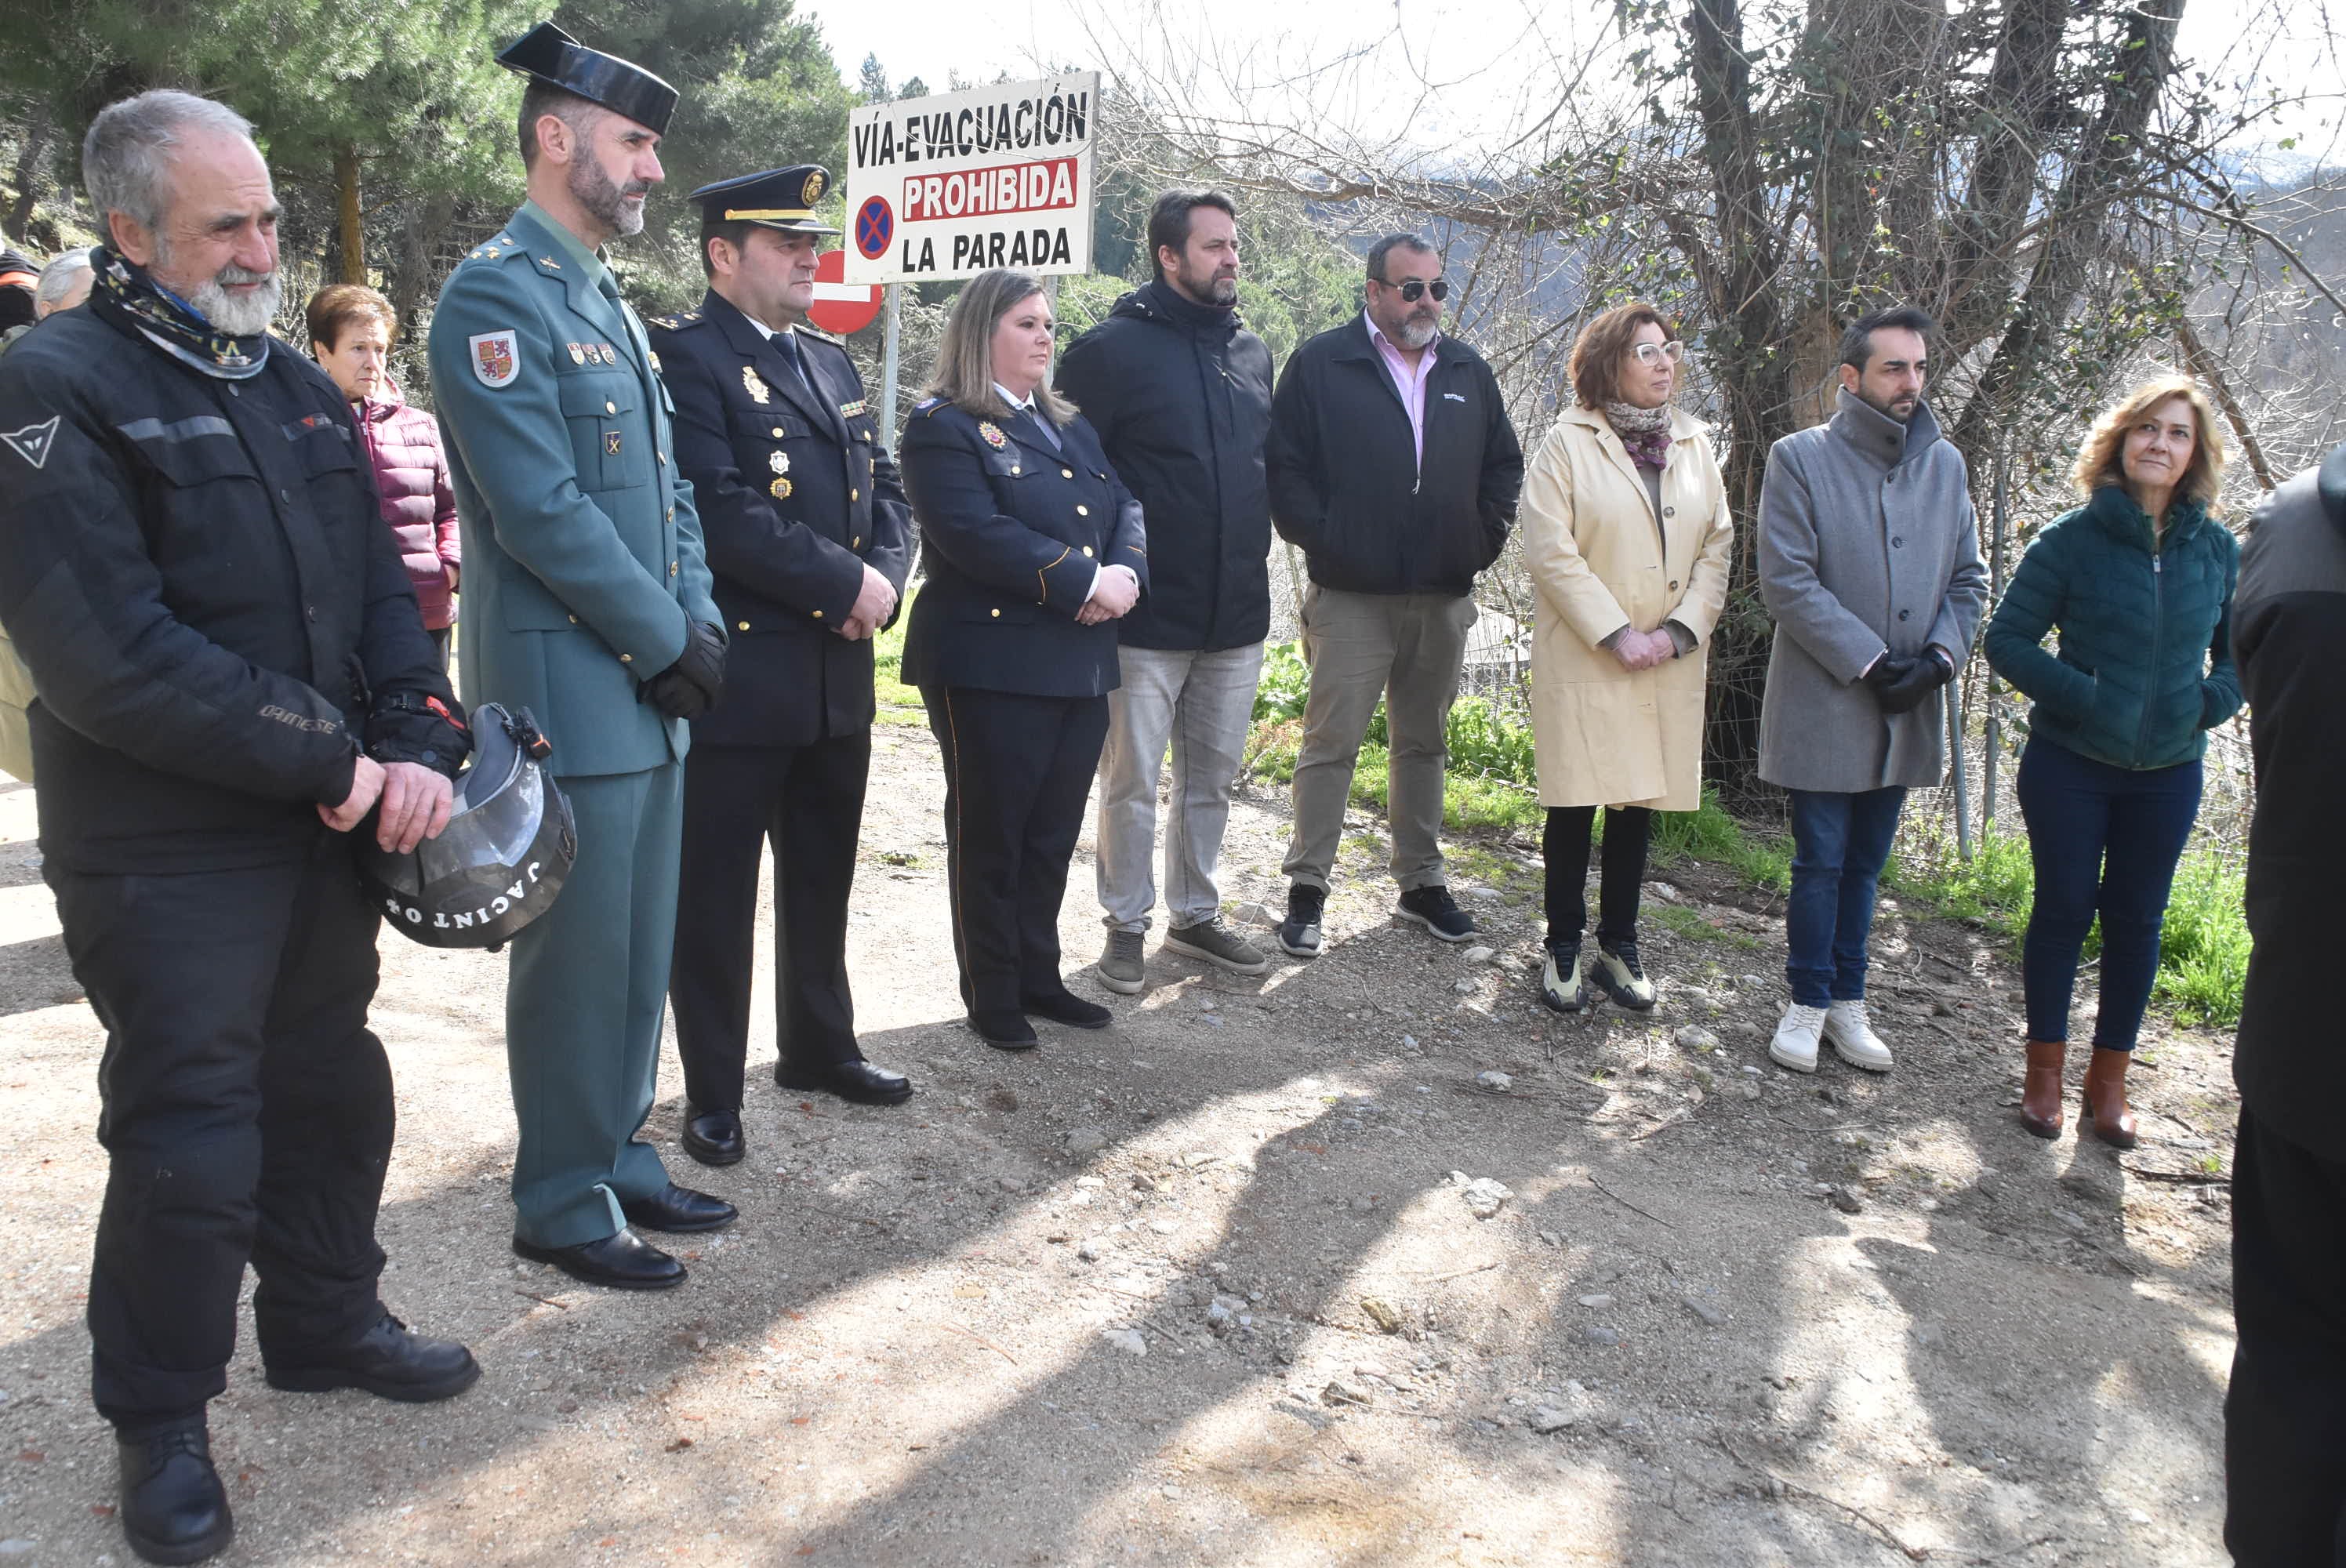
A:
1626, 530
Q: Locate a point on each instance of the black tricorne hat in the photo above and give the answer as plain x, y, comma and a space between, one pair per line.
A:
553, 57
779, 198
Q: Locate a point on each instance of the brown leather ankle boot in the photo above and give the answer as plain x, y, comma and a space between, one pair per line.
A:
2040, 1087
2105, 1101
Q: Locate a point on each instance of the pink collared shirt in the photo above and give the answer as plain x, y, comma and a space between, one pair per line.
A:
1410, 383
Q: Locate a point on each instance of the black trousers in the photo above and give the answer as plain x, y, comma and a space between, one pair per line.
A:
1564, 845
246, 1114
808, 802
2285, 1417
1017, 771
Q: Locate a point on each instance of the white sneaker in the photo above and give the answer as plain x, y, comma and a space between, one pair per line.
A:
1795, 1045
1853, 1039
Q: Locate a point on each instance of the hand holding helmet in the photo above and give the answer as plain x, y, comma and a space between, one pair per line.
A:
501, 857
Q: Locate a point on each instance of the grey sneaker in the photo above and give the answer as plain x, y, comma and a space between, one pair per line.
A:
1121, 967
1218, 943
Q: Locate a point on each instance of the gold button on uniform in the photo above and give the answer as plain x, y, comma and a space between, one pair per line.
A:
817, 615
1087, 550
1083, 510
778, 432
741, 626
996, 614
610, 408
856, 542
1013, 468
1067, 473
671, 569
574, 620
626, 658
855, 496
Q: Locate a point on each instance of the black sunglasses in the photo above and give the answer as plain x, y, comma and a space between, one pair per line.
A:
1439, 289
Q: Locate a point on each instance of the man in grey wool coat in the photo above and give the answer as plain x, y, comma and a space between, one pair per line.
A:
1869, 560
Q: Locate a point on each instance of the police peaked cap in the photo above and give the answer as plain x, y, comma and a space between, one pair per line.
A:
548, 53
779, 198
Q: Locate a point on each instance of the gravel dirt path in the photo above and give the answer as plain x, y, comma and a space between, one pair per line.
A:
1211, 1286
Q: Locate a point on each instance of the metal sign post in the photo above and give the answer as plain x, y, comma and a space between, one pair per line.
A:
895, 318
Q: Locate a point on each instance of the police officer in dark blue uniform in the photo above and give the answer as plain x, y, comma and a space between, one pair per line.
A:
807, 536
1033, 548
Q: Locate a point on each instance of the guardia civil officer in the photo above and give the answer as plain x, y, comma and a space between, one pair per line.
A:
232, 674
807, 533
1033, 548
586, 600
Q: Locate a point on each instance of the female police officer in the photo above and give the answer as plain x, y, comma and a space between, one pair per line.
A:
1033, 548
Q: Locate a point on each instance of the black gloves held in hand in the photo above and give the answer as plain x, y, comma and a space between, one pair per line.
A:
690, 686
1913, 680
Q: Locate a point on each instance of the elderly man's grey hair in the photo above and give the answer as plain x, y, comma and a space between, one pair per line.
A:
57, 278
130, 144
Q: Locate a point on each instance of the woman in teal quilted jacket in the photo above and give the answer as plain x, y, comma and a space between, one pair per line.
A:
2139, 583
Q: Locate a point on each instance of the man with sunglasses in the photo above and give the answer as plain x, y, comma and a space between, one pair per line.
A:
1393, 465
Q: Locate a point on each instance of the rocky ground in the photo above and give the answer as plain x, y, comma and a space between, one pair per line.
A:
1272, 1272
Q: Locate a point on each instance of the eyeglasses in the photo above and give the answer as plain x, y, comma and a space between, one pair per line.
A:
1654, 353
1416, 286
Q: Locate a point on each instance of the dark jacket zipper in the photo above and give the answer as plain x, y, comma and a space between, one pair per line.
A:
2158, 617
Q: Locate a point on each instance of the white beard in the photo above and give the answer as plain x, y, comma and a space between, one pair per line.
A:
240, 316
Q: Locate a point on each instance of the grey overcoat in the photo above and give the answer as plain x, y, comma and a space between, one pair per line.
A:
1867, 545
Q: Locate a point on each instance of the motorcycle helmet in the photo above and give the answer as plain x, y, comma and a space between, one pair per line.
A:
501, 860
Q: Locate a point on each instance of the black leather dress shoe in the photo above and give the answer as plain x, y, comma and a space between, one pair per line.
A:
174, 1508
386, 1360
1004, 1031
1064, 1006
678, 1208
712, 1137
858, 1081
623, 1260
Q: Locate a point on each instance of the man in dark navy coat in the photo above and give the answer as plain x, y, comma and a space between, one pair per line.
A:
809, 542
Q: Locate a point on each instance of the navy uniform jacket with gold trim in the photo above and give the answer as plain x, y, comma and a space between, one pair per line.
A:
583, 565
796, 493
1012, 531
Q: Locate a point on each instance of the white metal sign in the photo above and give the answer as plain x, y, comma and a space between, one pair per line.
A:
949, 186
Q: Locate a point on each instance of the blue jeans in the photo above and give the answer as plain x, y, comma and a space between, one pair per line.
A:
1840, 843
2103, 839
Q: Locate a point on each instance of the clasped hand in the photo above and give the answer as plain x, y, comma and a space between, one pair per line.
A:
875, 601
1113, 593
690, 686
1899, 684
1639, 650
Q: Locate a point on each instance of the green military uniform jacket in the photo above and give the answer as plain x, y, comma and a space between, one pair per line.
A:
583, 560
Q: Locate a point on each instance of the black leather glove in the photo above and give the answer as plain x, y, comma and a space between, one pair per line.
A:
691, 685
1886, 673
1923, 676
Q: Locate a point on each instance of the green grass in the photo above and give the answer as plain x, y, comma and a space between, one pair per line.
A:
1710, 834
2204, 944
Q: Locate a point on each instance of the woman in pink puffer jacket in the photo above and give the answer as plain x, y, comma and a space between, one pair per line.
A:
351, 328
